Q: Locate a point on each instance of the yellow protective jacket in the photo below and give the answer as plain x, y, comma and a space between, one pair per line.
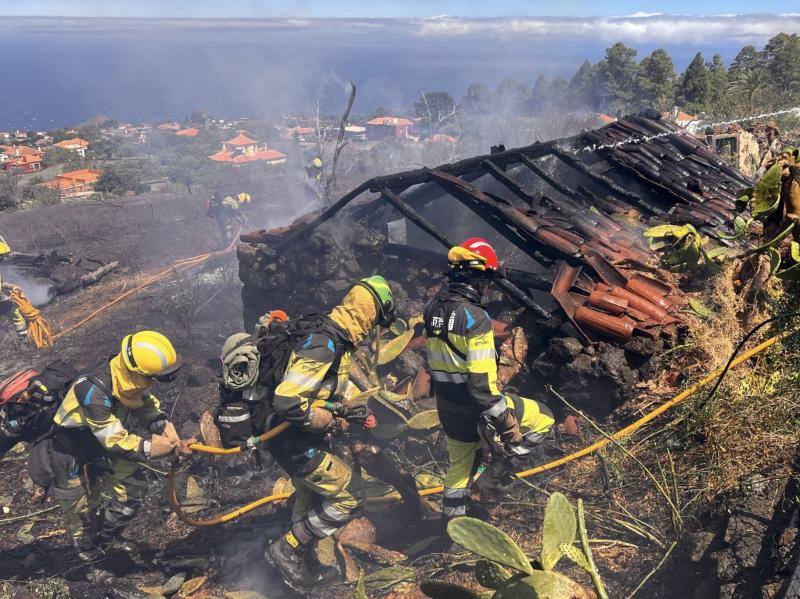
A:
463, 362
318, 367
108, 402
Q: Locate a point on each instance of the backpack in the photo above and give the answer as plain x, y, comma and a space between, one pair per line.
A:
242, 415
28, 401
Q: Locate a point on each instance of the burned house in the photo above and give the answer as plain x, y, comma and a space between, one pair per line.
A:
583, 293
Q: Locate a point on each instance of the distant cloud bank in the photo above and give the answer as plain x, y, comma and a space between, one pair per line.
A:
636, 27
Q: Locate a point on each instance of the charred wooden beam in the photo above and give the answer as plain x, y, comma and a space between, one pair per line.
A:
463, 167
500, 175
507, 286
325, 215
604, 181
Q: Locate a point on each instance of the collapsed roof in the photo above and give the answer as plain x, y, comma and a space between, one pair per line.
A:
574, 208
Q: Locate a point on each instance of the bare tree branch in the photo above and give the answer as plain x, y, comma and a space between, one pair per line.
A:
341, 142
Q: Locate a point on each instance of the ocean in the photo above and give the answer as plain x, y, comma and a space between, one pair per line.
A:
57, 72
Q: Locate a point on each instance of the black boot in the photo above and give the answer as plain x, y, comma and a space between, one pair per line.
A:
291, 561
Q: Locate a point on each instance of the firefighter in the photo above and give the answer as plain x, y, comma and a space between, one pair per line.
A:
227, 212
463, 364
90, 460
325, 485
314, 172
9, 308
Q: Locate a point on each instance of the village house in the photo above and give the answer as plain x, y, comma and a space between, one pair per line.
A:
27, 159
74, 183
242, 149
76, 145
301, 134
388, 126
190, 132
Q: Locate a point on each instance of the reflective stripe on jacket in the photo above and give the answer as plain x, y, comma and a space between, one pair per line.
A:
91, 403
463, 364
312, 374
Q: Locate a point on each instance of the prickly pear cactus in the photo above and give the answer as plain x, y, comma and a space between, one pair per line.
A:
445, 590
559, 528
490, 575
488, 541
542, 585
576, 555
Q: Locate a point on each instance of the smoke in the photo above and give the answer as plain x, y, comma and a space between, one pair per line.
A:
39, 291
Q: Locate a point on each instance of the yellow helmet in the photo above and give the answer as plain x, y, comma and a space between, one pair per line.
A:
317, 162
4, 247
244, 197
150, 354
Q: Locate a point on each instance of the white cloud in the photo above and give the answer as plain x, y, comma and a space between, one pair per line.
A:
639, 27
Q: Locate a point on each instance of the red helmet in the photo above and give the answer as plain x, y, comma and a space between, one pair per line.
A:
480, 246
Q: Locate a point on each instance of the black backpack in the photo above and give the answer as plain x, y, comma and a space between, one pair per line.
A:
29, 400
239, 419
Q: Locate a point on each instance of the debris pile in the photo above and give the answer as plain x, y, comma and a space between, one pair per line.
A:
569, 222
53, 274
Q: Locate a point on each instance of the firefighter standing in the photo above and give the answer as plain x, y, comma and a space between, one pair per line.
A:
227, 212
463, 364
318, 370
91, 451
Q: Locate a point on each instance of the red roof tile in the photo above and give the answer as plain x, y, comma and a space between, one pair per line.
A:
241, 140
390, 121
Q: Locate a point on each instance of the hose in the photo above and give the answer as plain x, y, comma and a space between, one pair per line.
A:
718, 374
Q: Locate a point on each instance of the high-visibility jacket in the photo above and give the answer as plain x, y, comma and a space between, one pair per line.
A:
107, 403
313, 373
463, 362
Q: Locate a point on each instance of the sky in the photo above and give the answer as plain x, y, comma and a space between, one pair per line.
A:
158, 59
367, 8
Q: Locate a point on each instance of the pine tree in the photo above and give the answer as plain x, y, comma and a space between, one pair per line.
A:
748, 79
656, 82
693, 89
583, 88
617, 79
477, 100
781, 59
718, 103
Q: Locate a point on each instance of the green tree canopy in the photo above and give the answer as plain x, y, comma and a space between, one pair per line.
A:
656, 80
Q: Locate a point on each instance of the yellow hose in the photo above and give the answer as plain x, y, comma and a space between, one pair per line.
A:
617, 436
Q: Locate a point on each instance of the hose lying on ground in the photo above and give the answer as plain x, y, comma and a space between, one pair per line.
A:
601, 443
39, 333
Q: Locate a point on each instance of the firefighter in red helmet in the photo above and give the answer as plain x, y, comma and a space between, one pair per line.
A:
463, 364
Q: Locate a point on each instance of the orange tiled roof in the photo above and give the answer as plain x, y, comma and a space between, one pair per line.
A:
190, 132
681, 116
75, 143
20, 151
241, 140
442, 138
77, 178
390, 121
266, 154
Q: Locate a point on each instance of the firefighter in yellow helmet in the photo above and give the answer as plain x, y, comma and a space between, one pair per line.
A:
463, 364
318, 370
8, 308
107, 424
228, 214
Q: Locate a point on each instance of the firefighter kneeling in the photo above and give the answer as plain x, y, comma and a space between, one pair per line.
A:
90, 451
325, 495
463, 363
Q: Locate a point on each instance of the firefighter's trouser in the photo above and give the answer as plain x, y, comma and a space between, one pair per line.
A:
464, 457
323, 500
111, 500
10, 310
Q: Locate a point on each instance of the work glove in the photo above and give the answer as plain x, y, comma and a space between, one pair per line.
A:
183, 446
161, 446
359, 414
170, 433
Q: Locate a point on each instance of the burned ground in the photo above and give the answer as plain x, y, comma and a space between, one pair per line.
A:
632, 520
